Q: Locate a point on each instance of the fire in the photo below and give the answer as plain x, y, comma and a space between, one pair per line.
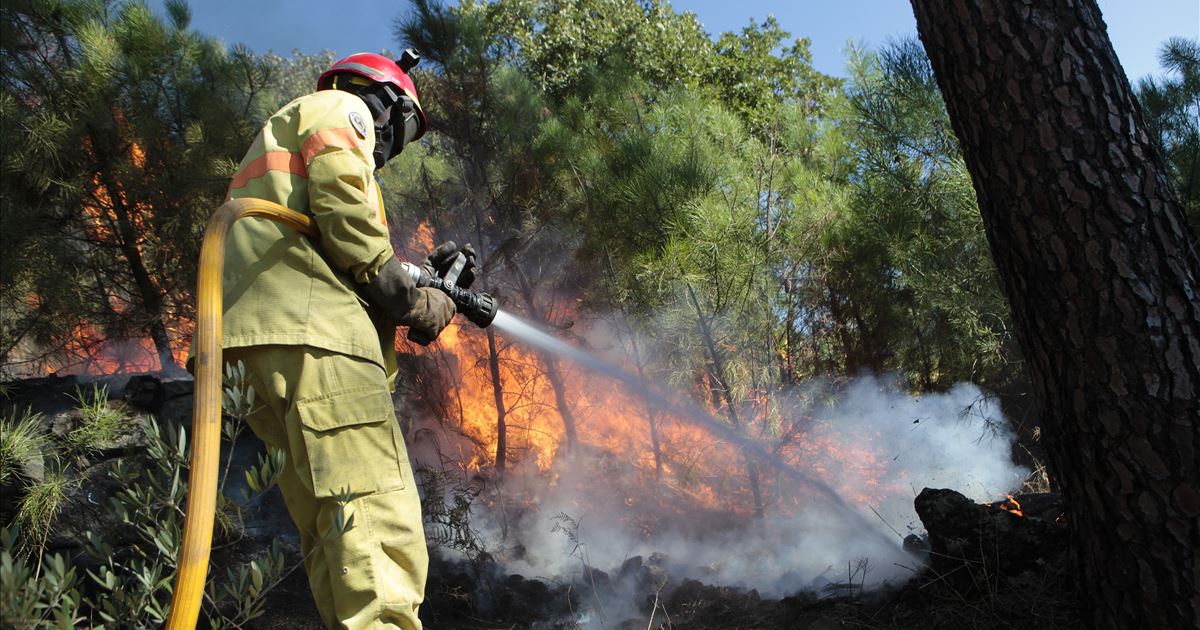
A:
615, 423
112, 219
1012, 506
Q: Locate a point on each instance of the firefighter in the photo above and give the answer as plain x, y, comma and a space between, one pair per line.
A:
313, 322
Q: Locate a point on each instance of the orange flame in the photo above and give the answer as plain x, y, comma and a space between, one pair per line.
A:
614, 422
1012, 506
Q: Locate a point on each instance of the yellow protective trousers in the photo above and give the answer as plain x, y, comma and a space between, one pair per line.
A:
332, 414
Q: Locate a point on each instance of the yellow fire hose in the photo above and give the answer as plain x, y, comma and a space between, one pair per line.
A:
206, 416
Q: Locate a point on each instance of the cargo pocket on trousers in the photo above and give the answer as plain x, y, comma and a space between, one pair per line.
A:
352, 443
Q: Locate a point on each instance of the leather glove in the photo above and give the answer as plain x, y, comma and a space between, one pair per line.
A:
430, 314
441, 259
467, 275
392, 291
426, 311
438, 262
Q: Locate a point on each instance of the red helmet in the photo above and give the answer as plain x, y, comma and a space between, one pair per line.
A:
379, 69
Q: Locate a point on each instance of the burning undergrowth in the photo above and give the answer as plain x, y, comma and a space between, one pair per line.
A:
838, 466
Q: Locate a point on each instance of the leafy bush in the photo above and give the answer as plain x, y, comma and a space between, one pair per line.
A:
45, 597
128, 584
21, 441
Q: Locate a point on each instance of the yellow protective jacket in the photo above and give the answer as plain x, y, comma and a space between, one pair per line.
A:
280, 287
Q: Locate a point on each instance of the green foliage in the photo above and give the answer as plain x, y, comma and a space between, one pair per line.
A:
41, 504
265, 474
756, 82
23, 442
237, 397
132, 583
909, 262
129, 580
561, 43
100, 421
46, 597
343, 521
245, 587
120, 132
1172, 109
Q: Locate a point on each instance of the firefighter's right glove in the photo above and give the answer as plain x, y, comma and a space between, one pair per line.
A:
442, 258
439, 261
425, 310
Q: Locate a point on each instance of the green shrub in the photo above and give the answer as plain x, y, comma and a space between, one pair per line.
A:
100, 422
21, 440
42, 502
130, 585
46, 597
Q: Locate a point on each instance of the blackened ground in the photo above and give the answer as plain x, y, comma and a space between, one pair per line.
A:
464, 596
987, 568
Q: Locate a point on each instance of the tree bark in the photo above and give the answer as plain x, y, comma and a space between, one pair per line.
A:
498, 394
1101, 271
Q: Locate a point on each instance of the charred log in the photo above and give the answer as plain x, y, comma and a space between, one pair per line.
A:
967, 540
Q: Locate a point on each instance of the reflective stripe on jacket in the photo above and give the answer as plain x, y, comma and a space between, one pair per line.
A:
280, 287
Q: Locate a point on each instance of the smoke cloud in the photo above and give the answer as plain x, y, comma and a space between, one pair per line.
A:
871, 441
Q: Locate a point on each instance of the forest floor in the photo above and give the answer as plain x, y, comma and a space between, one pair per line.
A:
1041, 598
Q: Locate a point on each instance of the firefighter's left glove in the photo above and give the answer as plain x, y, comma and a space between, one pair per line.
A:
392, 292
439, 262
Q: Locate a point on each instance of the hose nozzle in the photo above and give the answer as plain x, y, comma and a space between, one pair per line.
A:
478, 307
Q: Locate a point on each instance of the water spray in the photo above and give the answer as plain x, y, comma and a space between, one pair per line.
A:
482, 310
529, 333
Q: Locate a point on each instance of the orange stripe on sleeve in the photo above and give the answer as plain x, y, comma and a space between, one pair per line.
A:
343, 138
285, 161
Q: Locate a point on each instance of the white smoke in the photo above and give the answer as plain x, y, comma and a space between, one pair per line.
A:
957, 440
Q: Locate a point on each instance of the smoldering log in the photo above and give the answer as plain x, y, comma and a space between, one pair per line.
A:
968, 538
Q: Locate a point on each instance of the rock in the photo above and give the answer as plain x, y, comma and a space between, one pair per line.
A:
167, 395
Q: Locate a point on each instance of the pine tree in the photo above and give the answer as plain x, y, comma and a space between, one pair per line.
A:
120, 132
1172, 109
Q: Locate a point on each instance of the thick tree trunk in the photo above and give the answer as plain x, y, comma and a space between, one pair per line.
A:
1101, 272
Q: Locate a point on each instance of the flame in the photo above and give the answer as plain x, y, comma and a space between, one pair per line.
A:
1012, 506
612, 421
88, 349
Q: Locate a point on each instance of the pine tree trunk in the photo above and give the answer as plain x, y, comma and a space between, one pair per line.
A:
147, 291
498, 394
721, 393
1103, 277
552, 372
651, 412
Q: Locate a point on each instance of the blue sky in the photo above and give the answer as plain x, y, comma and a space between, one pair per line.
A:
1137, 27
